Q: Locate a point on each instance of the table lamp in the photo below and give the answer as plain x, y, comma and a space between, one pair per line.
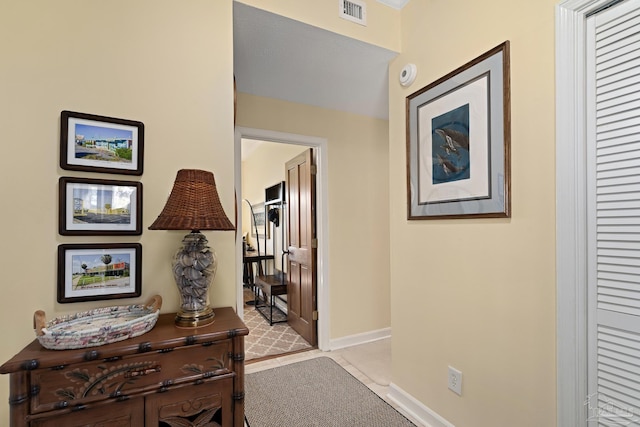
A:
193, 205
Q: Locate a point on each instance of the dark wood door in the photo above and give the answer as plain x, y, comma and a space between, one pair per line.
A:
301, 265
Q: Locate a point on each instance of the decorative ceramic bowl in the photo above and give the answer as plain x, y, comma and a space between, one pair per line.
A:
97, 327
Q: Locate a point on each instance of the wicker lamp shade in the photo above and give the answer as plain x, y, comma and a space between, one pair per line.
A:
193, 204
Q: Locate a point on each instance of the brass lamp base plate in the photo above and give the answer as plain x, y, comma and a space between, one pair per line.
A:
194, 319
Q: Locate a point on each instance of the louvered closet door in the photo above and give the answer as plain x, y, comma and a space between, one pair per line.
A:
613, 104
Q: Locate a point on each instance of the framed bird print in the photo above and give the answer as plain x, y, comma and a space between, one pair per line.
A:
458, 142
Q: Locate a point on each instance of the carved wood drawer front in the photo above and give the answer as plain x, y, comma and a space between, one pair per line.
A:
128, 413
87, 382
209, 405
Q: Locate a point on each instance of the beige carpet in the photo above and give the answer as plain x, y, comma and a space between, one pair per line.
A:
315, 392
264, 340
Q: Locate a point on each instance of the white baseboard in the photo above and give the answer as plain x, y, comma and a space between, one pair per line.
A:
406, 404
414, 409
357, 339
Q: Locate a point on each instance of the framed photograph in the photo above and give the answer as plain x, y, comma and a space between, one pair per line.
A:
458, 142
258, 220
93, 143
99, 207
90, 272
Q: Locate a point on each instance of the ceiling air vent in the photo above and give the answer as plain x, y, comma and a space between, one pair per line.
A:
354, 11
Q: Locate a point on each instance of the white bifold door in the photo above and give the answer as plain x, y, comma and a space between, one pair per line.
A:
613, 214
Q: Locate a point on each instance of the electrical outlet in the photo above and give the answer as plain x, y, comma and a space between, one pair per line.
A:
455, 381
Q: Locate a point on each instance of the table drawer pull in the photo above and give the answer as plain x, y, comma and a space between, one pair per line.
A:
139, 372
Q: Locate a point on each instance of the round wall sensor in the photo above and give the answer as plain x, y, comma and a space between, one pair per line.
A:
408, 74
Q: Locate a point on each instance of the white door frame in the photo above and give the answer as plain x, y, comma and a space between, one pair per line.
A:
571, 220
322, 216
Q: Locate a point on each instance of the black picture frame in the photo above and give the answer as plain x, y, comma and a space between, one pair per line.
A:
81, 277
94, 207
458, 142
93, 143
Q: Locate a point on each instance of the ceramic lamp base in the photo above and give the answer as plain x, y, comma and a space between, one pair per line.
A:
194, 267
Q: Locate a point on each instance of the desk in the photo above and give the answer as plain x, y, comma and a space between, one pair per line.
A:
248, 258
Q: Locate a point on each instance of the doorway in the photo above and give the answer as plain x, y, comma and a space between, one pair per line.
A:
320, 150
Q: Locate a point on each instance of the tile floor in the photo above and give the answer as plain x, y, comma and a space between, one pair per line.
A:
381, 372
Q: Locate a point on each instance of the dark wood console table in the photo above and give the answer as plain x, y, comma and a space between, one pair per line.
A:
171, 375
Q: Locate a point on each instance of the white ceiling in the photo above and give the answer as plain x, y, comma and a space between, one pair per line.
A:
277, 57
396, 4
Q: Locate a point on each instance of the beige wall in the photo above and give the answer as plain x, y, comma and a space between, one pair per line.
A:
358, 208
475, 294
166, 63
383, 22
479, 294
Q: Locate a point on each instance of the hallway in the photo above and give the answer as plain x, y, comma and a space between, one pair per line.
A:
267, 341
